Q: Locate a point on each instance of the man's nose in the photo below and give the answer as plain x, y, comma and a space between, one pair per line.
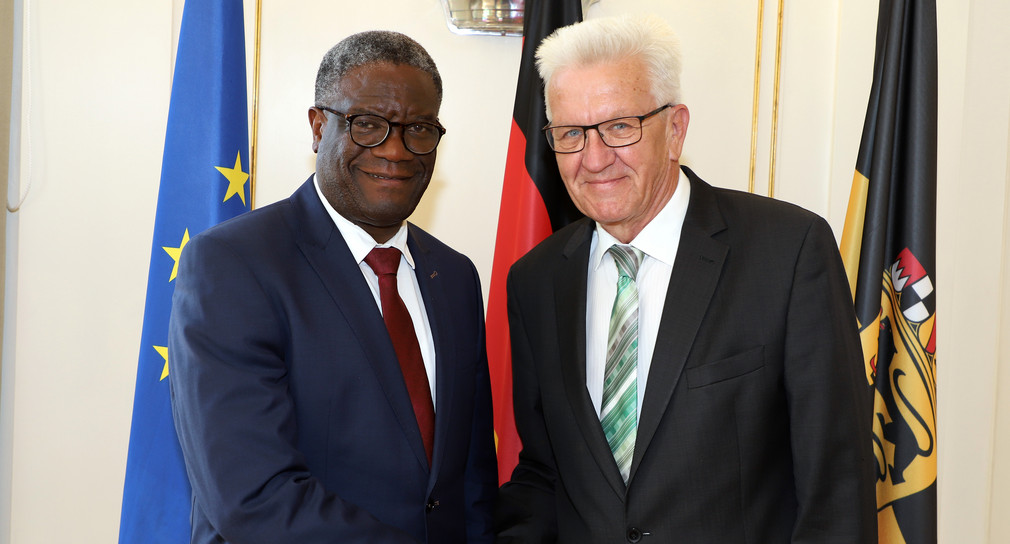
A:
596, 154
393, 148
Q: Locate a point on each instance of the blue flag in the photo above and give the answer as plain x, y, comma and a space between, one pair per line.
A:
204, 180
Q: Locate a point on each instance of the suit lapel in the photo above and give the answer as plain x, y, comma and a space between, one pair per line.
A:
327, 253
696, 273
426, 270
570, 284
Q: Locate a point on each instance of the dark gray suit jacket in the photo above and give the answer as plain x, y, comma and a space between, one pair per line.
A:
290, 405
755, 427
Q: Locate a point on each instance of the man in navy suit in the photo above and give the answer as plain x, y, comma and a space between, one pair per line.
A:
685, 360
317, 396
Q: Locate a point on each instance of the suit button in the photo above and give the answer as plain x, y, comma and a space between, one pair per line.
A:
430, 505
634, 535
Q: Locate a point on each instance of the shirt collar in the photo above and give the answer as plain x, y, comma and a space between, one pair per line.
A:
654, 240
359, 241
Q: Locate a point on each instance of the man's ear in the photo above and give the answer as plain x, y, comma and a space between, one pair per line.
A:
317, 120
680, 117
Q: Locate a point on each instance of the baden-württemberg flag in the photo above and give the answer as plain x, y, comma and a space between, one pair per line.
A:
889, 248
204, 180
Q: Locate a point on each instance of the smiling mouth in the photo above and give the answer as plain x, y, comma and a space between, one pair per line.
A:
605, 181
388, 177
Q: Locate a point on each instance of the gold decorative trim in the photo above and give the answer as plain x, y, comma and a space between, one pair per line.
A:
775, 101
757, 94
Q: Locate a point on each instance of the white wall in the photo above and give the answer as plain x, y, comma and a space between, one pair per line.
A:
972, 240
90, 149
90, 142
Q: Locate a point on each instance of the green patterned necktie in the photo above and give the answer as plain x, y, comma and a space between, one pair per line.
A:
619, 413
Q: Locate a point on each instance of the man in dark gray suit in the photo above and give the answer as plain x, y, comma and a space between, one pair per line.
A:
686, 364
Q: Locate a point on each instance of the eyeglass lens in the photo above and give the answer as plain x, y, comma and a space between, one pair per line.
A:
371, 130
614, 133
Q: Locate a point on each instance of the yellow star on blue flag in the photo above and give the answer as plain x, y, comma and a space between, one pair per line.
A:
175, 253
236, 179
163, 351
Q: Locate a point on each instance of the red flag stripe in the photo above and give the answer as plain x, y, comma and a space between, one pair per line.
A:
522, 223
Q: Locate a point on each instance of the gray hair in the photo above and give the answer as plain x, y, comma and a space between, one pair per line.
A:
616, 39
381, 46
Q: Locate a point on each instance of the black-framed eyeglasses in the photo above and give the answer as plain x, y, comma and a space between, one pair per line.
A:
371, 130
619, 132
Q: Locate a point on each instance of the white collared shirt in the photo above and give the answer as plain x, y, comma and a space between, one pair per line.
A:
361, 243
659, 241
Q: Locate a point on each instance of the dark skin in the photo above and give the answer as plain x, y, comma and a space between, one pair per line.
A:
376, 188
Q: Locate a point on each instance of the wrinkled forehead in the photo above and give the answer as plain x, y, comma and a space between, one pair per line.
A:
589, 93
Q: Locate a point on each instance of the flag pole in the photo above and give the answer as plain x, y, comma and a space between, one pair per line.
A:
255, 106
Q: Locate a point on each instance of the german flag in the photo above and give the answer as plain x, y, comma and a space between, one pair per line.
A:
534, 203
889, 249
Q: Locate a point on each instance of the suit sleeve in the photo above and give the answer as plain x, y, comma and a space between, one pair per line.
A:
481, 476
527, 510
234, 414
829, 401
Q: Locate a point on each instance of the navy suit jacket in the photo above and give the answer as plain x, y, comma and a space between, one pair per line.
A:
755, 427
289, 403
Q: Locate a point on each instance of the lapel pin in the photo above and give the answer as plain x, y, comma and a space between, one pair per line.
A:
433, 274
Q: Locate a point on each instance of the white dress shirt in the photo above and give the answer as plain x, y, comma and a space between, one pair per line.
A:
361, 243
658, 241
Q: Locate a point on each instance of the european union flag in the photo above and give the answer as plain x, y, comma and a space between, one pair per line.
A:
204, 179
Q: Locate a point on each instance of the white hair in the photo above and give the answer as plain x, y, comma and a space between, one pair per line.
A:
616, 39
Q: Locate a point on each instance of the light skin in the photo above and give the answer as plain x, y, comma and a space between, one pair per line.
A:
376, 188
622, 188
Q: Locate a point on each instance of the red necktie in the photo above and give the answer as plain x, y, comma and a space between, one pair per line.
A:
384, 261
